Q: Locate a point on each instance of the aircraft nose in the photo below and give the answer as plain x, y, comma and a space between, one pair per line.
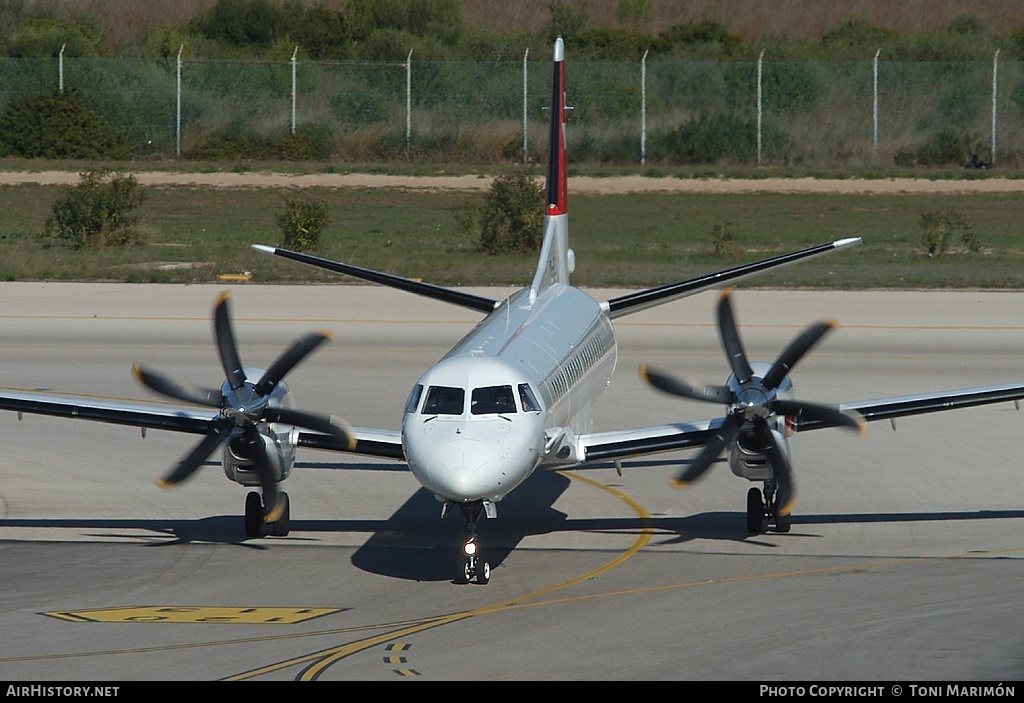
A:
467, 469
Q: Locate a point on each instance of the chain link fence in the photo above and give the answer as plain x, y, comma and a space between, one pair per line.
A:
806, 114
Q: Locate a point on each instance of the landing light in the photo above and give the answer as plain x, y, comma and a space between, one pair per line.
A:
470, 548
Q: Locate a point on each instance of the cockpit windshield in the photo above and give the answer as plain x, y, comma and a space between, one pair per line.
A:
492, 399
528, 399
444, 400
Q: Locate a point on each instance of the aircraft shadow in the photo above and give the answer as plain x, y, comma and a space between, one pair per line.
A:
415, 544
418, 545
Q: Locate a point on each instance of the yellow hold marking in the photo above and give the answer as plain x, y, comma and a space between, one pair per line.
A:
198, 614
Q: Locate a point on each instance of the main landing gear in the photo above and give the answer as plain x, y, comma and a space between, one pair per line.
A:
254, 512
762, 512
473, 565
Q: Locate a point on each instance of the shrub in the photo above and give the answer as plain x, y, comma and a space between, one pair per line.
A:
949, 146
941, 231
707, 139
511, 219
97, 213
58, 126
302, 222
228, 145
721, 240
310, 142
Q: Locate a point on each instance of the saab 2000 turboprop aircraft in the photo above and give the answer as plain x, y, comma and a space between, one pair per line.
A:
514, 396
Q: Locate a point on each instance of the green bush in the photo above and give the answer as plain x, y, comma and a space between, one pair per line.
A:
241, 22
949, 146
58, 126
942, 231
97, 213
228, 145
511, 219
705, 39
721, 240
302, 223
709, 138
312, 142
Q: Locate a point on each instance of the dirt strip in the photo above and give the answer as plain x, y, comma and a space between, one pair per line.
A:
580, 184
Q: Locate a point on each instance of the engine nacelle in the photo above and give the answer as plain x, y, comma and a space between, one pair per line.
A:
747, 458
278, 441
238, 461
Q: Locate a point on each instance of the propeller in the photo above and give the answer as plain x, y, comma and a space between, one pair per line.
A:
751, 400
243, 405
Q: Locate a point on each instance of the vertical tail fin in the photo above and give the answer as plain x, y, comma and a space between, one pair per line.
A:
556, 259
557, 201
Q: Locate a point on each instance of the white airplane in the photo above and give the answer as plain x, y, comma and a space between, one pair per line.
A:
513, 397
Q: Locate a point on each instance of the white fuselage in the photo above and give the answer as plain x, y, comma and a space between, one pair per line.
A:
510, 396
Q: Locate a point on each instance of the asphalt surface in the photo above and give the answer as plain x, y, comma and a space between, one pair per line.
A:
904, 562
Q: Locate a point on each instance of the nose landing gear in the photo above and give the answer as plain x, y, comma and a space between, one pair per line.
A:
473, 565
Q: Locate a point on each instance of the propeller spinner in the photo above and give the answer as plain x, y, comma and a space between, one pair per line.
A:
243, 405
751, 400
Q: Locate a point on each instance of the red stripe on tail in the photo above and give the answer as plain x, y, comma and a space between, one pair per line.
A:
557, 200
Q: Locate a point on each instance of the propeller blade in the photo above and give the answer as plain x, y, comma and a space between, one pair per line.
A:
258, 450
156, 381
199, 454
731, 339
826, 414
318, 423
225, 338
725, 434
795, 351
675, 386
781, 468
289, 360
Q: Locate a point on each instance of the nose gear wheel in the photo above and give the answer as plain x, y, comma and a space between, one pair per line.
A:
473, 565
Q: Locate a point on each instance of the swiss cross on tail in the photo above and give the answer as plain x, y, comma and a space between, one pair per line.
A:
556, 259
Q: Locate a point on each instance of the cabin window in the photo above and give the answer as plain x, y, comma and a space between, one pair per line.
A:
414, 399
444, 400
527, 399
492, 399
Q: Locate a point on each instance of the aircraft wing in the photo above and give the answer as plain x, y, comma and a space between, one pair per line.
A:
159, 417
427, 290
369, 442
620, 444
902, 406
649, 298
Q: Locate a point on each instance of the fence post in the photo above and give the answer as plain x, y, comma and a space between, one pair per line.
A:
525, 108
643, 109
874, 70
995, 70
408, 101
60, 69
177, 118
760, 61
294, 54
